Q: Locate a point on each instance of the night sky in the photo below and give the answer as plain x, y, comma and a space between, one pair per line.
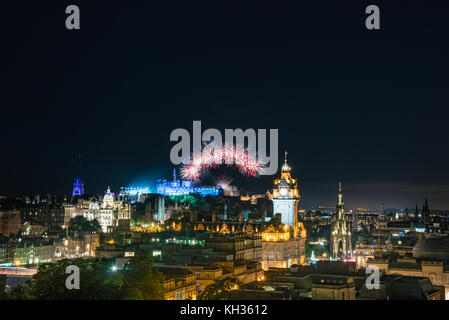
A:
368, 108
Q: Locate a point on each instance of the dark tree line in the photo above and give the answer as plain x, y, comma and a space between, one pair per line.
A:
99, 280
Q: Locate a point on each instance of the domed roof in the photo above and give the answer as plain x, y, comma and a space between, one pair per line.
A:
431, 248
285, 166
108, 197
431, 244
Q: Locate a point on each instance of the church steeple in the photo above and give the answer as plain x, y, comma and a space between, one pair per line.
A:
341, 234
340, 203
425, 211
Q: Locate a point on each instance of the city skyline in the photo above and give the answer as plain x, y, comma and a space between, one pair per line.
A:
353, 203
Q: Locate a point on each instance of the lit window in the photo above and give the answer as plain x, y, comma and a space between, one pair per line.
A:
156, 253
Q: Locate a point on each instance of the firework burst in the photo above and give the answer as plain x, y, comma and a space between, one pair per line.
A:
245, 161
223, 181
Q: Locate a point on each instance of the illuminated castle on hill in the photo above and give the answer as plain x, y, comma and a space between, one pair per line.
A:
183, 187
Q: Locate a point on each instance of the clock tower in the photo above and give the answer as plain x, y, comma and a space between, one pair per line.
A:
286, 197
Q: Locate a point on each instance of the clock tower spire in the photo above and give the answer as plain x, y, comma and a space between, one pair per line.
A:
286, 196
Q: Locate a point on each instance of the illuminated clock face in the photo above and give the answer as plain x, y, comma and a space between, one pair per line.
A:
283, 192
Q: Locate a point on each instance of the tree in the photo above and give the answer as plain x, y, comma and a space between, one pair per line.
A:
99, 280
18, 293
141, 281
49, 283
95, 226
356, 235
137, 218
224, 289
79, 224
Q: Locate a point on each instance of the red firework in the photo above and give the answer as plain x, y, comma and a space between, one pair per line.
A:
245, 161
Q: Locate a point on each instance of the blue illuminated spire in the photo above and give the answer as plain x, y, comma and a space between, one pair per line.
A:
78, 187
